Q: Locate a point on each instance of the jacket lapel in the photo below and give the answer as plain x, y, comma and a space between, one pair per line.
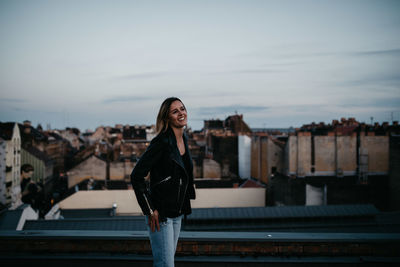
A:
175, 155
187, 151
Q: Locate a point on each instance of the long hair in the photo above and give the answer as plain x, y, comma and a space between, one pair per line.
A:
162, 123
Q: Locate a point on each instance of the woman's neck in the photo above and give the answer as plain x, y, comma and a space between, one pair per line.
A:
178, 132
179, 140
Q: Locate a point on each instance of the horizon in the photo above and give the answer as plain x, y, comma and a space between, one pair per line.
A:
45, 127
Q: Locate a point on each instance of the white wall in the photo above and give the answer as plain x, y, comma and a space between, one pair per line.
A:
127, 203
244, 144
229, 197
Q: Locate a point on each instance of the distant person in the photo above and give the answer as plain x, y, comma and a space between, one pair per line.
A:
167, 199
31, 192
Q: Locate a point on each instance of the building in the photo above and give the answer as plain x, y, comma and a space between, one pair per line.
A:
31, 136
337, 155
267, 156
345, 162
42, 164
236, 124
244, 156
98, 169
344, 150
57, 150
135, 132
3, 190
10, 162
223, 154
72, 135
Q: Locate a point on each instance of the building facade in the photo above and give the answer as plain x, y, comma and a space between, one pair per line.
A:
332, 155
42, 164
10, 162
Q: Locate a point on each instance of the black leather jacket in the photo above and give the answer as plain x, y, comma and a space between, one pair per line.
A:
171, 185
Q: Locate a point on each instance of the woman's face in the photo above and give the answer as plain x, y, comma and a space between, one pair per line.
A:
177, 114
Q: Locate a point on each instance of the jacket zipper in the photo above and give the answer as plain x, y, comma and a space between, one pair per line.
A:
183, 200
180, 184
179, 189
163, 180
148, 205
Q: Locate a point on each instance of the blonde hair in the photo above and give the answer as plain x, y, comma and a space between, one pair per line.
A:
162, 123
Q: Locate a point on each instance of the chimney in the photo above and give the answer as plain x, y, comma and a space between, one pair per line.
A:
27, 123
27, 127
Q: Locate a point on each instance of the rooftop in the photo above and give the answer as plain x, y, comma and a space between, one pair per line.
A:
255, 236
6, 130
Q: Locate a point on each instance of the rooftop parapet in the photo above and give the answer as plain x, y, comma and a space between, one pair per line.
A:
115, 247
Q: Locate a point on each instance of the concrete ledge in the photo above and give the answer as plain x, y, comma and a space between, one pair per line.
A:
209, 244
206, 236
203, 259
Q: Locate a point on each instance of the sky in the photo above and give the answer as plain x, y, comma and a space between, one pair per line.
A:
90, 63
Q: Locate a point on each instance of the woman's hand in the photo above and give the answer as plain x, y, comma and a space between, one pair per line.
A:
153, 221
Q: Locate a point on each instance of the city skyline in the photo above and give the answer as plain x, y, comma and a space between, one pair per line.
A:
279, 63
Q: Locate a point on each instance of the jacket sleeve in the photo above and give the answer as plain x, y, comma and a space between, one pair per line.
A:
150, 157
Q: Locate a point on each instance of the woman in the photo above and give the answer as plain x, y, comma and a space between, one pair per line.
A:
167, 199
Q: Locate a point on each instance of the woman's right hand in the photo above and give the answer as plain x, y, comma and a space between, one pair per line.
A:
154, 221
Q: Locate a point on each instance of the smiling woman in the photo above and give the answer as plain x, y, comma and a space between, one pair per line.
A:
167, 199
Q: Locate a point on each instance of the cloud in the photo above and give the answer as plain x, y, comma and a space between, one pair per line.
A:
392, 102
386, 102
374, 79
231, 109
13, 100
387, 52
383, 52
255, 71
135, 99
145, 75
245, 71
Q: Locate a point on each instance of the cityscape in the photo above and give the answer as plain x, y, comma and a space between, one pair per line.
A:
226, 153
349, 168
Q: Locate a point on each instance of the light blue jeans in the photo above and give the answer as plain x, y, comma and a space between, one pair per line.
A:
164, 242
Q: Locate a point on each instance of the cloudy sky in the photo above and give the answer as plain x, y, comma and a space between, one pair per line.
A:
279, 63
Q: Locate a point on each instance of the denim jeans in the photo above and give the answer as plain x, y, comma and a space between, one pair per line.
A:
164, 242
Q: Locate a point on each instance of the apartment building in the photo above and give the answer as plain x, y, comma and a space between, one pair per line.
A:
10, 164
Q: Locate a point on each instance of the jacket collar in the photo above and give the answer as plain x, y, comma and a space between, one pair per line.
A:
175, 154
